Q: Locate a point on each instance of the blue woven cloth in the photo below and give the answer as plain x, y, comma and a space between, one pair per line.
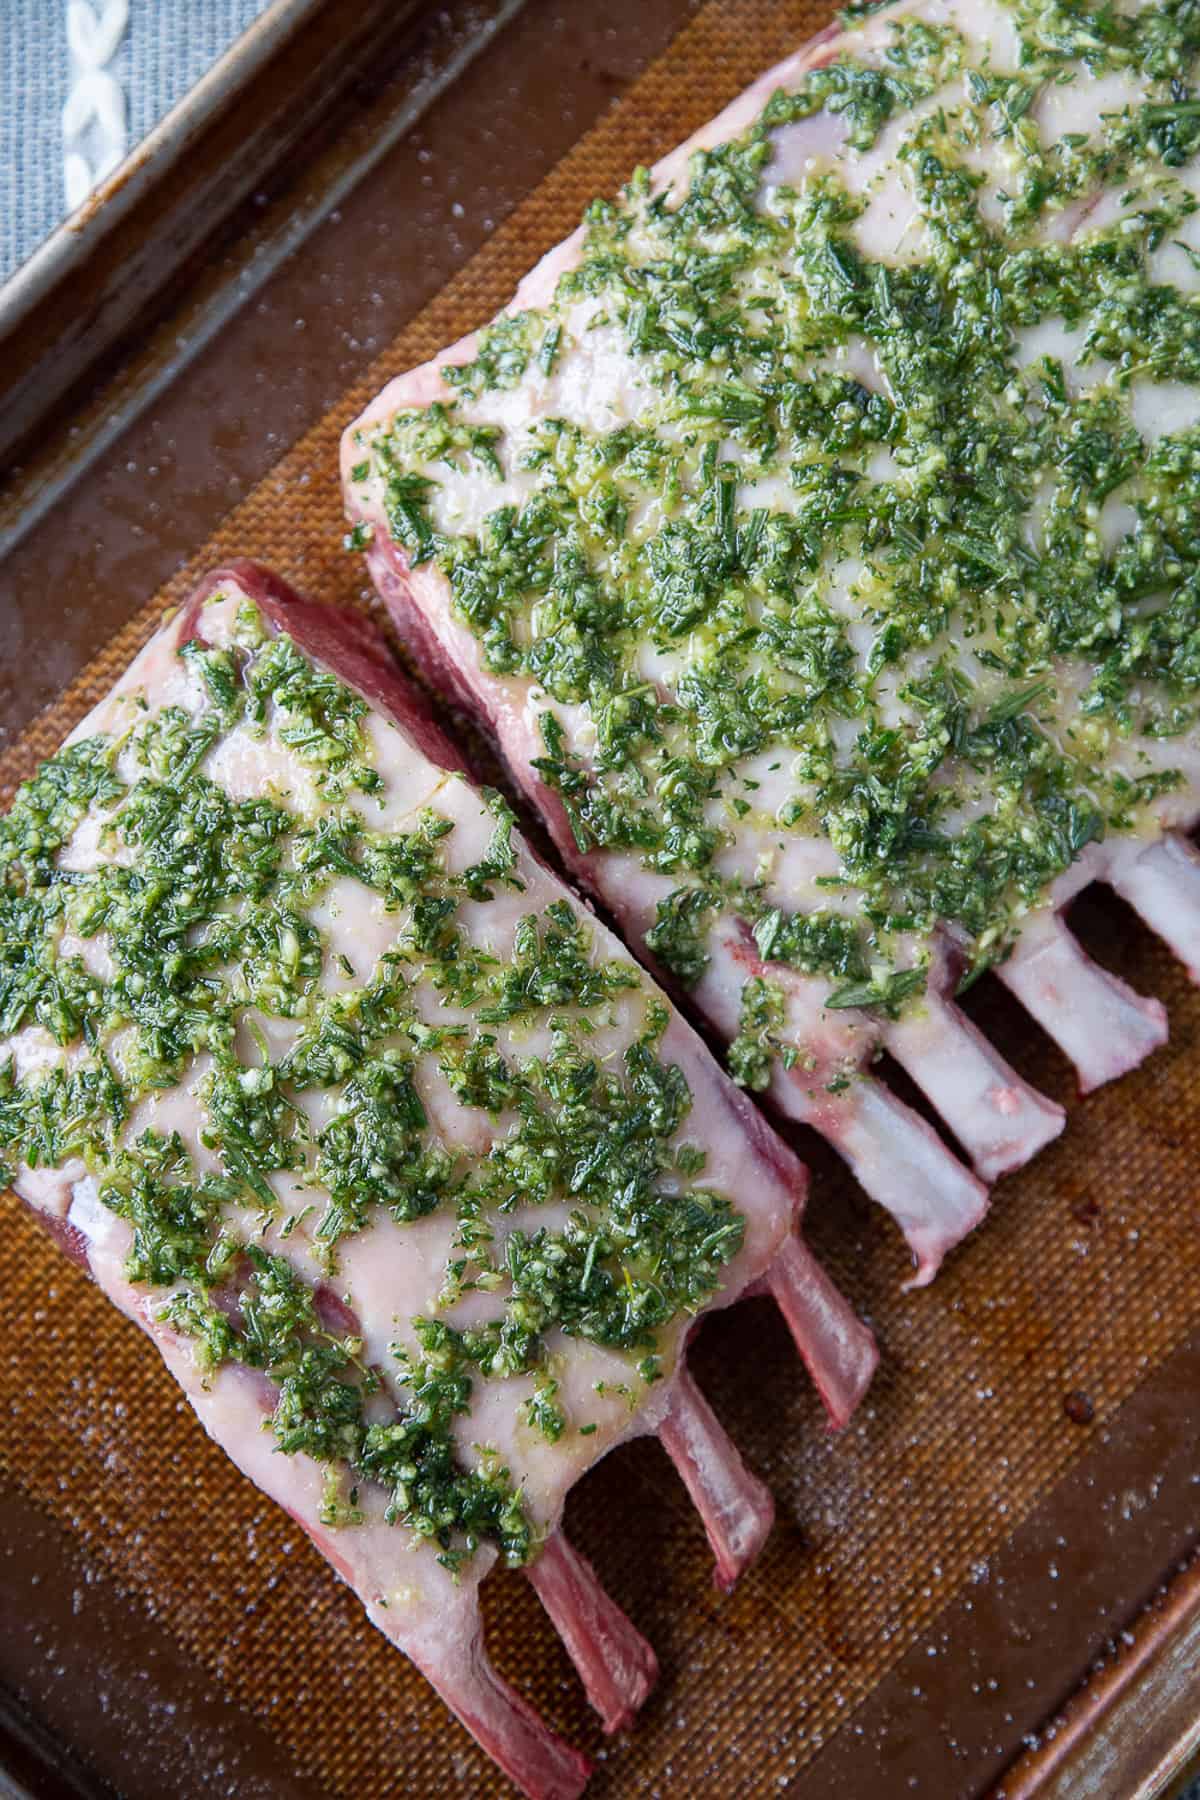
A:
167, 45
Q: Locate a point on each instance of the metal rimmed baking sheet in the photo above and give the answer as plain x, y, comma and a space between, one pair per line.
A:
977, 1659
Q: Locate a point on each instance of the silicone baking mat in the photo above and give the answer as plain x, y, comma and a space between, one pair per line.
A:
993, 1383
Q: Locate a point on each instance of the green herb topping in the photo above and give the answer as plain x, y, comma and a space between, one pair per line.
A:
876, 529
159, 935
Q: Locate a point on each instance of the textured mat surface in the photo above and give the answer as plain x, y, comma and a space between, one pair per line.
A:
1083, 1280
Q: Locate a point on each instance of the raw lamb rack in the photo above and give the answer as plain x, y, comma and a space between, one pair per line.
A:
414, 1178
816, 533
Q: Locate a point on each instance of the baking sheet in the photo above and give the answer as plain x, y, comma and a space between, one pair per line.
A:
943, 1575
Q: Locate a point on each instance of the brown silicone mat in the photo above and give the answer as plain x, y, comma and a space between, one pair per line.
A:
994, 1383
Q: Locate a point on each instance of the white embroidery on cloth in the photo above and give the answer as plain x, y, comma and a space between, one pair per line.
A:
94, 118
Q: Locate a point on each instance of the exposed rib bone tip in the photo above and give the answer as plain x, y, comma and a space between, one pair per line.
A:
1000, 1120
928, 1257
1095, 1018
930, 1246
617, 1666
1162, 884
737, 1510
512, 1732
904, 1165
838, 1350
